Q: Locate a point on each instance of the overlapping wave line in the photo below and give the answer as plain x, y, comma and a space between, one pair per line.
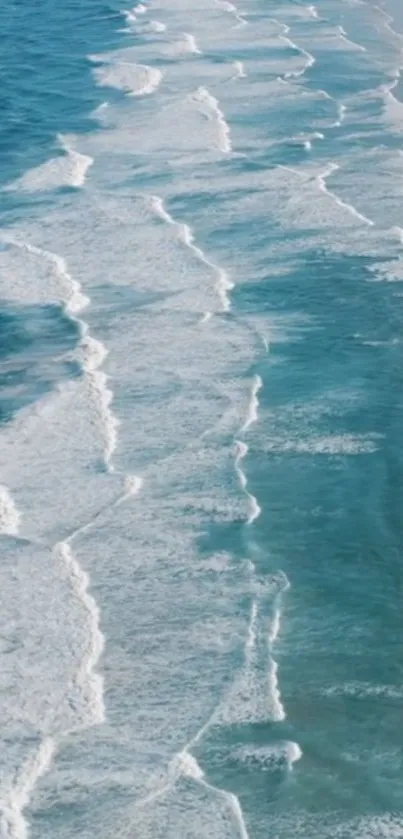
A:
210, 107
67, 170
310, 59
223, 284
13, 825
233, 10
92, 353
242, 448
320, 181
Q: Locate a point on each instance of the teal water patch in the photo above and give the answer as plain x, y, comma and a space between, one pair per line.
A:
47, 87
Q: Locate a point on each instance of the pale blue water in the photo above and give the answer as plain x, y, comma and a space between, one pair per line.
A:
201, 420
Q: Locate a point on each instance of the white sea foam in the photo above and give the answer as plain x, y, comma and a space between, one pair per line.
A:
310, 59
190, 768
280, 755
364, 690
91, 352
337, 444
232, 9
156, 26
344, 37
342, 109
70, 169
12, 822
224, 284
254, 695
240, 70
89, 683
134, 79
320, 180
252, 414
254, 509
187, 45
209, 106
9, 515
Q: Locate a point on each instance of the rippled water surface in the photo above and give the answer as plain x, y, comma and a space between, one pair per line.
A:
201, 415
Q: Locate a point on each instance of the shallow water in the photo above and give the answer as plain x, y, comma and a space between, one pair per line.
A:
201, 410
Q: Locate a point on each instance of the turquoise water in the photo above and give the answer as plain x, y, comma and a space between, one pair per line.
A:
200, 420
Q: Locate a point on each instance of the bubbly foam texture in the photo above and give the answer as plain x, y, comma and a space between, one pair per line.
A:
87, 680
338, 444
252, 414
9, 515
186, 45
239, 70
134, 79
92, 353
223, 283
232, 10
310, 59
12, 822
255, 696
210, 107
68, 170
271, 758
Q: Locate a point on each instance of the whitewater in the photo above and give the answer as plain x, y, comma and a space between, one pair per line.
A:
200, 420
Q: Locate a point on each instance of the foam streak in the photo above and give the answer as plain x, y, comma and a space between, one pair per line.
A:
232, 9
321, 180
210, 107
90, 684
223, 284
92, 352
12, 822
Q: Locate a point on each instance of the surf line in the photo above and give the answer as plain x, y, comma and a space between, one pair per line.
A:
12, 821
320, 181
310, 59
232, 9
242, 448
223, 284
92, 353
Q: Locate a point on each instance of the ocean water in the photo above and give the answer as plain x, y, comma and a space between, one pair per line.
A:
201, 411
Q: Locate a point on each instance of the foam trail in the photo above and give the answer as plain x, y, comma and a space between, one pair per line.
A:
132, 486
255, 510
188, 767
321, 180
92, 352
212, 110
344, 37
252, 414
9, 515
232, 9
283, 753
342, 112
251, 637
191, 45
80, 163
224, 284
12, 822
310, 60
240, 70
90, 683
